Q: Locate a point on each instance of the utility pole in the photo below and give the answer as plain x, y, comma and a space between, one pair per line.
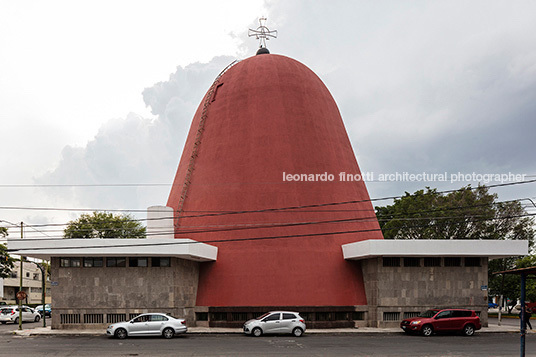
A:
21, 272
43, 285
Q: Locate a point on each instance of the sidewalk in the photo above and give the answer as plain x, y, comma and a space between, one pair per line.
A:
220, 330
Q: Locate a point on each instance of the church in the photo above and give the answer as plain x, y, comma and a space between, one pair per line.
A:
237, 237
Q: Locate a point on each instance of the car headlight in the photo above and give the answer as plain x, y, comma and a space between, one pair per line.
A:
415, 322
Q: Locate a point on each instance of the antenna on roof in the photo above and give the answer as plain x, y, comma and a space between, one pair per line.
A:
262, 33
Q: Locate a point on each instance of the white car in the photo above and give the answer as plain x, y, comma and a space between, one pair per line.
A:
11, 314
276, 322
152, 324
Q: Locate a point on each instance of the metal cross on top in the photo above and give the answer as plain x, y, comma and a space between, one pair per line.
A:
262, 33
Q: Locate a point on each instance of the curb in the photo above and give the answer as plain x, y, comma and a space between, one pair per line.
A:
27, 333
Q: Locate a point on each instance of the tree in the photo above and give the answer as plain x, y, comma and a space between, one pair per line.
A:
6, 262
104, 225
468, 213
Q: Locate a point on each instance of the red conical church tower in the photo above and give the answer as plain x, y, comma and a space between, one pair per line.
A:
279, 244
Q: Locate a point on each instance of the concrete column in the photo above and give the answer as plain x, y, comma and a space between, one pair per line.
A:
160, 222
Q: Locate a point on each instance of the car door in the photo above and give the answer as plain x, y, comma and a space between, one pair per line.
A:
443, 321
288, 322
139, 325
459, 317
156, 324
27, 314
271, 323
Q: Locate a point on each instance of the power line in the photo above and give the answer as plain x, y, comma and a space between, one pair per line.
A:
380, 215
357, 220
224, 240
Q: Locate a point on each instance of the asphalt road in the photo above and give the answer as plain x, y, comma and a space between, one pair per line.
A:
8, 327
396, 344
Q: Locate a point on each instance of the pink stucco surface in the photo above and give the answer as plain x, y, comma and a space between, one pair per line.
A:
273, 115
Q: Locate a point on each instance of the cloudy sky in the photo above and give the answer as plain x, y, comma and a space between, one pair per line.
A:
96, 93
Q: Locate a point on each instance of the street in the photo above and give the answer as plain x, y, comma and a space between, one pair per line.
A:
391, 344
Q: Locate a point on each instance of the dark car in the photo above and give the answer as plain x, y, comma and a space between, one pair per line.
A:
443, 320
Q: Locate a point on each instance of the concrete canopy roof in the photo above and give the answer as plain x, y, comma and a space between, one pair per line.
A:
493, 249
156, 247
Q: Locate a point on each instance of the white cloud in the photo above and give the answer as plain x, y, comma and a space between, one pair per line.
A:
435, 86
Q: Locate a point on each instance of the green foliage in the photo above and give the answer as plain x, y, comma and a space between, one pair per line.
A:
509, 285
6, 262
104, 225
463, 214
3, 232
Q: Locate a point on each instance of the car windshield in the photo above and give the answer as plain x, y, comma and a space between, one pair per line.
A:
428, 313
263, 316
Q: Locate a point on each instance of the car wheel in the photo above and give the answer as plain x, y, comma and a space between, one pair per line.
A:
168, 332
3, 322
37, 318
16, 321
256, 332
297, 332
469, 330
427, 330
121, 333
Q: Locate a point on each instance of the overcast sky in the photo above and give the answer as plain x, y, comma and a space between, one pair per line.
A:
103, 92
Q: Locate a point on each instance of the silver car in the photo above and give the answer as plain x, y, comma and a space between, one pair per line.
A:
11, 314
276, 322
152, 324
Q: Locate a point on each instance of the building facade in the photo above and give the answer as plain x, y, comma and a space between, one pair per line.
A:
31, 284
267, 211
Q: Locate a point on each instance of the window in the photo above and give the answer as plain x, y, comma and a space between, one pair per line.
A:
432, 262
69, 319
91, 262
323, 316
13, 275
138, 262
36, 276
461, 313
412, 262
472, 261
341, 316
27, 274
358, 315
444, 314
272, 317
391, 262
453, 261
143, 318
239, 316
36, 290
391, 316
219, 316
158, 318
201, 316
410, 314
288, 316
113, 318
70, 262
93, 318
116, 262
161, 262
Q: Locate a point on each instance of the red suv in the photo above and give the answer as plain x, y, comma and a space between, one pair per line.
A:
443, 320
